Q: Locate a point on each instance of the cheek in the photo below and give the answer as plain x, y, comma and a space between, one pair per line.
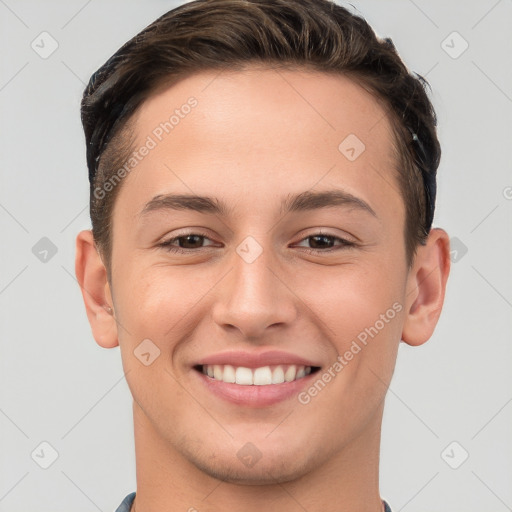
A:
361, 312
154, 309
142, 301
158, 302
348, 300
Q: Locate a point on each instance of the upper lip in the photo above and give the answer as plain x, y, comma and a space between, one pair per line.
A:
255, 359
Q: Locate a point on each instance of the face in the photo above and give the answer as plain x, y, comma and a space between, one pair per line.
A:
292, 270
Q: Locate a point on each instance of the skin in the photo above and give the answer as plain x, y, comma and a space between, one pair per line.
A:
255, 137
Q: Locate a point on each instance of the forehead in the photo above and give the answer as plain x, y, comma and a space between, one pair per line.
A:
258, 131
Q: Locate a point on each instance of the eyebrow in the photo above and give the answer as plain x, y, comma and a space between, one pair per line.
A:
305, 201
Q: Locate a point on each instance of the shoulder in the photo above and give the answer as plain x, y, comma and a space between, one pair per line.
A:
127, 503
387, 508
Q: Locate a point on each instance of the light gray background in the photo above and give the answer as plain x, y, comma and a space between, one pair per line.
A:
58, 386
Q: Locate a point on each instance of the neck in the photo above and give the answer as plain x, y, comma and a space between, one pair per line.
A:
347, 481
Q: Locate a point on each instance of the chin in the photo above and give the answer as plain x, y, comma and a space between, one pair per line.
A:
262, 473
249, 466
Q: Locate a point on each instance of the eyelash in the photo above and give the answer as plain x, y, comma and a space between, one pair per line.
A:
170, 248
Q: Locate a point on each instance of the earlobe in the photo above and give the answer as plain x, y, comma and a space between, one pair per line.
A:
426, 288
92, 277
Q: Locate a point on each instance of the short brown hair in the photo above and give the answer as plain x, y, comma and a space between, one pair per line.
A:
318, 35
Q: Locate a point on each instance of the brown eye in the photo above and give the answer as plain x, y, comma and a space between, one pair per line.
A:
322, 242
188, 242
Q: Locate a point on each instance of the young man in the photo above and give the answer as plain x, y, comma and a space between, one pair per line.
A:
263, 179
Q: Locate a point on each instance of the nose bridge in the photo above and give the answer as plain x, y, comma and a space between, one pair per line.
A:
254, 297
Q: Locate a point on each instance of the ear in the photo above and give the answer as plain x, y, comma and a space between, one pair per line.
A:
426, 287
92, 278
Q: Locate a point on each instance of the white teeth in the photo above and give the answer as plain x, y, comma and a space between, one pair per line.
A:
261, 376
278, 375
290, 373
229, 374
243, 376
217, 371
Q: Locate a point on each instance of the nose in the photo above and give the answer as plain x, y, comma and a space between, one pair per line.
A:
255, 297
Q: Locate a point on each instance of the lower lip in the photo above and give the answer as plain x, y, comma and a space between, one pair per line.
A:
252, 395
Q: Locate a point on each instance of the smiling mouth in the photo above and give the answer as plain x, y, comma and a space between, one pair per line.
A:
261, 376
